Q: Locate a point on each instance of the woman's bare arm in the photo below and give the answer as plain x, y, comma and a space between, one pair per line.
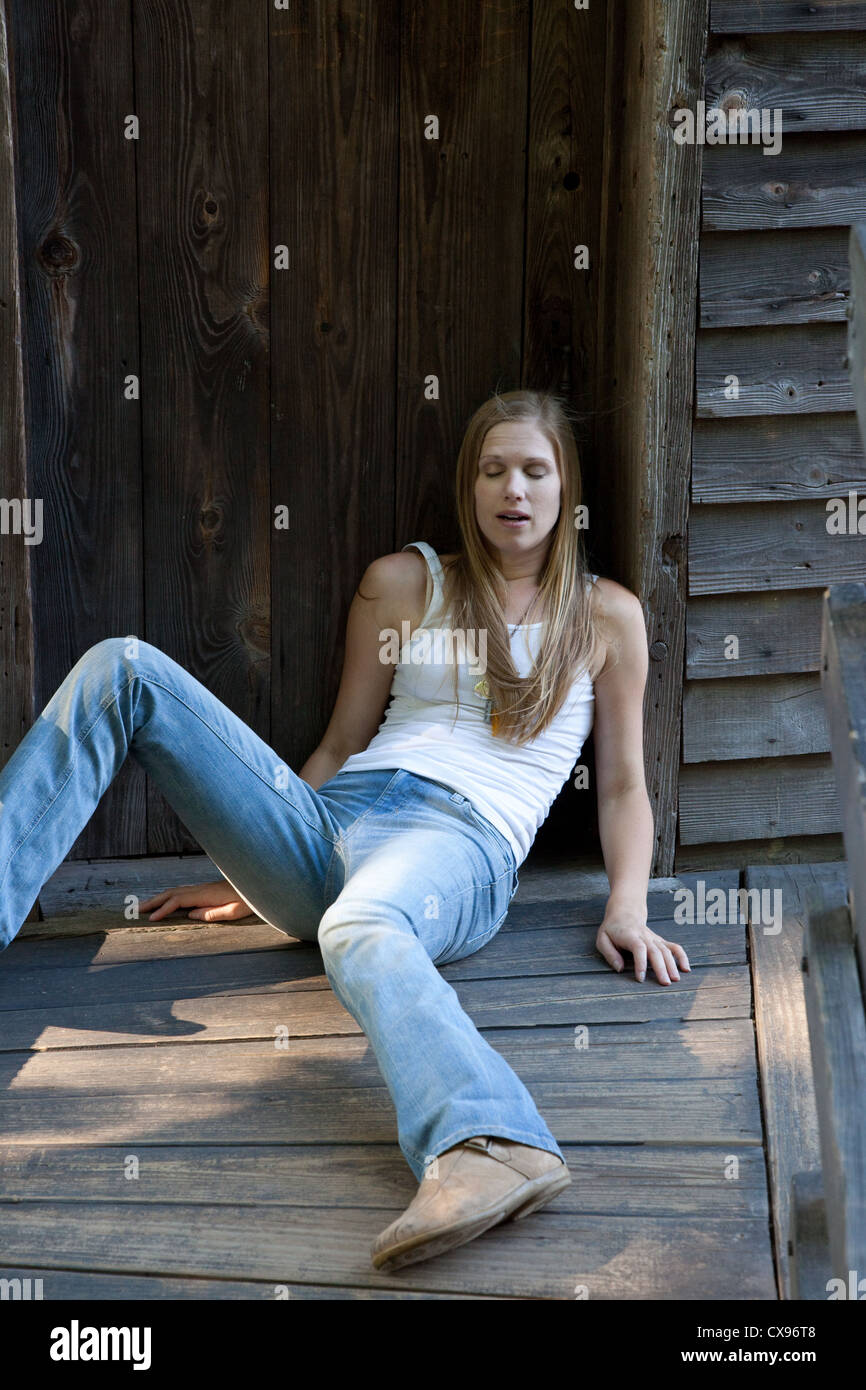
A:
625, 818
393, 589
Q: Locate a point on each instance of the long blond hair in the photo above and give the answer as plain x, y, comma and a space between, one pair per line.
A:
474, 584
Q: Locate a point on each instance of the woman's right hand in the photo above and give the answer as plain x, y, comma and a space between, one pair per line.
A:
210, 902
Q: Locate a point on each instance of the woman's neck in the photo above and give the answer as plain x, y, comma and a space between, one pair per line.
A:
524, 567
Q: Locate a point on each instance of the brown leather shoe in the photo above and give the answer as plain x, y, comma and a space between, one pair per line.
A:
467, 1189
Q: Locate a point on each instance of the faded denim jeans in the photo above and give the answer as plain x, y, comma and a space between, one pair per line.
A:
393, 874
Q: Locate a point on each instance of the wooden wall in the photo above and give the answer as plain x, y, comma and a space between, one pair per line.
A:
16, 632
419, 274
756, 779
646, 356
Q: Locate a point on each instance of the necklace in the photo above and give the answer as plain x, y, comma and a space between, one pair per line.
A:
482, 687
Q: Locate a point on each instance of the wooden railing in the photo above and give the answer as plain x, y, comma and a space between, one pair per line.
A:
832, 1238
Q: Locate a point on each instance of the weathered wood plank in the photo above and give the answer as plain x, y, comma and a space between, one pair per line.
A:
65, 1284
80, 886
712, 992
843, 644
774, 459
776, 632
99, 938
333, 74
757, 717
819, 83
792, 370
202, 180
837, 1038
809, 1266
775, 16
857, 324
465, 188
36, 981
565, 61
16, 618
813, 181
759, 546
650, 232
95, 892
550, 1255
625, 1181
79, 267
759, 799
704, 1111
764, 278
576, 906
793, 849
790, 1116
702, 1050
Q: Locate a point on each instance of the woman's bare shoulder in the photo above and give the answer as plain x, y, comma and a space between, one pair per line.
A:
400, 582
611, 597
618, 613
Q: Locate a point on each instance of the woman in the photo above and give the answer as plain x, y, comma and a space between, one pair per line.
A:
398, 844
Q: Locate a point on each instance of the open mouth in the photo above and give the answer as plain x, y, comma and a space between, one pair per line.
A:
512, 518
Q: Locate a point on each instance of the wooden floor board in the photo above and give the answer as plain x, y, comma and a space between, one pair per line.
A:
707, 1112
55, 1285
552, 1255
557, 937
37, 980
222, 1012
704, 1050
692, 1180
790, 1114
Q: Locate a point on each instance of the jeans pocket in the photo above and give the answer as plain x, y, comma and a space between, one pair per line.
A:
469, 947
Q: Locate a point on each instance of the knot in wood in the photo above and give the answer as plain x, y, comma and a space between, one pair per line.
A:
58, 255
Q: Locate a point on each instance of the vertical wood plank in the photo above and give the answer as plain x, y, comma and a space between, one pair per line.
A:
563, 212
563, 207
202, 99
857, 323
334, 74
77, 212
461, 239
650, 239
16, 630
843, 641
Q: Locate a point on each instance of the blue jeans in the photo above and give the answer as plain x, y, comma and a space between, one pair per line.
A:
393, 874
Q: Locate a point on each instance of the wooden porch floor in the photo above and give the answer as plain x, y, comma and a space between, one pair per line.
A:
156, 1142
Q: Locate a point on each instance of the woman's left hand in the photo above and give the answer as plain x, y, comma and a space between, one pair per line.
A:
631, 933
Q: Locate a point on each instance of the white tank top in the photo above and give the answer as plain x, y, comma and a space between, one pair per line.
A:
514, 787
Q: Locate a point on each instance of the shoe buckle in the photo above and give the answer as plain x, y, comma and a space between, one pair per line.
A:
479, 1143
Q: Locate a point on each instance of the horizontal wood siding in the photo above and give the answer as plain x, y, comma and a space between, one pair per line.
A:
762, 717
773, 16
817, 86
743, 281
775, 632
775, 432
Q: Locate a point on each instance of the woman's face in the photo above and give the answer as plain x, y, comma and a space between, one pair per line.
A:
517, 478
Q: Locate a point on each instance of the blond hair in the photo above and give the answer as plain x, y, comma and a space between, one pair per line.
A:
474, 584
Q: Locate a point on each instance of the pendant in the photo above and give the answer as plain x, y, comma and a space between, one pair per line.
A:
483, 689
